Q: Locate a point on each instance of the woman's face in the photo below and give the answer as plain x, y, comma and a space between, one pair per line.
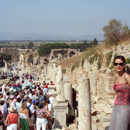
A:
119, 66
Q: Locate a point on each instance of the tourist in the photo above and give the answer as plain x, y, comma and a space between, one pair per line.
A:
35, 97
51, 113
24, 117
1, 121
2, 108
49, 95
11, 120
18, 104
5, 109
120, 117
32, 110
51, 83
41, 116
45, 91
41, 97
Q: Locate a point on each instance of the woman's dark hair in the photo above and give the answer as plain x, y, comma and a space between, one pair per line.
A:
120, 57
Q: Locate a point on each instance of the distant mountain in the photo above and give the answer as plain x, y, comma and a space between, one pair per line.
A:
35, 36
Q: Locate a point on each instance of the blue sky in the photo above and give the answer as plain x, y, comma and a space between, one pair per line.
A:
61, 17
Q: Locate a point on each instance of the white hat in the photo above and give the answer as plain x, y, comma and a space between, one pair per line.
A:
14, 90
2, 99
10, 89
49, 93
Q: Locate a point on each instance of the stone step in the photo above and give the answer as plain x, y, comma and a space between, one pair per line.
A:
106, 109
106, 124
111, 101
72, 127
98, 107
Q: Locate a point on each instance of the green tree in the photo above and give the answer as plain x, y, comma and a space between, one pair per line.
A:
5, 56
45, 49
30, 45
22, 47
95, 40
114, 32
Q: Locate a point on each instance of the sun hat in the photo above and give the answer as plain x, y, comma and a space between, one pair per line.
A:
11, 109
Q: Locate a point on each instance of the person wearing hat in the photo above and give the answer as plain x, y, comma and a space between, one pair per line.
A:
41, 116
49, 95
11, 120
11, 99
32, 111
35, 97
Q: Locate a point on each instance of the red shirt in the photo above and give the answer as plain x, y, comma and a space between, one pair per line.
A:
122, 94
51, 83
13, 118
47, 86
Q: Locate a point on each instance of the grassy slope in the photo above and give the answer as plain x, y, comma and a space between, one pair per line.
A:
67, 63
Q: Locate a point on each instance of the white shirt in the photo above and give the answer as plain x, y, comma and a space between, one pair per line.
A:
18, 106
32, 110
51, 99
50, 108
45, 91
13, 105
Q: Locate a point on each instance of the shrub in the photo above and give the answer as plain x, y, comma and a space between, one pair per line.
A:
128, 61
72, 68
111, 67
109, 56
64, 71
104, 71
82, 62
100, 61
94, 57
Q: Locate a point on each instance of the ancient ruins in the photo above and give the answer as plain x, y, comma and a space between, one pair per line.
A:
94, 87
14, 53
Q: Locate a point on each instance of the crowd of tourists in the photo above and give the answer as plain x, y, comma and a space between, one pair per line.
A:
26, 107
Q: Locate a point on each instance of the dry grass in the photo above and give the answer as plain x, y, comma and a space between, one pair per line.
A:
67, 63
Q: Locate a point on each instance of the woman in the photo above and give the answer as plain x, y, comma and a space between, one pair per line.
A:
120, 116
1, 122
24, 117
41, 116
11, 120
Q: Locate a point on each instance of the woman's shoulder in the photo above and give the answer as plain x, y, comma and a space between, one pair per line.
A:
127, 76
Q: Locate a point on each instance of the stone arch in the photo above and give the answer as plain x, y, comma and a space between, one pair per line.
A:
71, 53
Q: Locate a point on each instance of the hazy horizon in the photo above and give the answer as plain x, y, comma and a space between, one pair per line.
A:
54, 19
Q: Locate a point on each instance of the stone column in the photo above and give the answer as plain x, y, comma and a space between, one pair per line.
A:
94, 83
84, 105
68, 92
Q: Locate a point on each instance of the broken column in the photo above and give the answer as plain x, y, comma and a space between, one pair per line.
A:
68, 92
94, 83
84, 105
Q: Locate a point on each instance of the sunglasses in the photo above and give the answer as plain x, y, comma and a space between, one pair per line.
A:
120, 64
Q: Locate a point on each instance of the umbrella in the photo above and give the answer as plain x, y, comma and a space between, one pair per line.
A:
27, 84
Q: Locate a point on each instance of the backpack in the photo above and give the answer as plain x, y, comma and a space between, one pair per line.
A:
30, 114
